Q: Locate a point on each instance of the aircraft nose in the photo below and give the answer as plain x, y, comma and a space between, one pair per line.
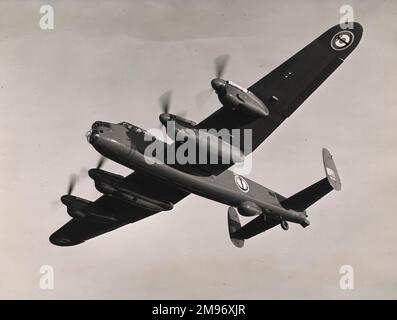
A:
218, 84
92, 135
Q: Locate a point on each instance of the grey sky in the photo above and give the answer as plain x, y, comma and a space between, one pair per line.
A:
111, 61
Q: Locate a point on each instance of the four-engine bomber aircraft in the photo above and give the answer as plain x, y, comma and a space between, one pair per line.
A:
156, 187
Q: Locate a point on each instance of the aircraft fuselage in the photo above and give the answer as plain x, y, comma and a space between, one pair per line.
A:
125, 144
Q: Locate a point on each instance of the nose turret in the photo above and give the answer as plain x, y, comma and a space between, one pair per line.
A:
113, 141
97, 128
92, 135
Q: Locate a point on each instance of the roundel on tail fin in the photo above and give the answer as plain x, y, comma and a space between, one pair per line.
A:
330, 170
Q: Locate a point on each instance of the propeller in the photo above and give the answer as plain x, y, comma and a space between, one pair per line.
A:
72, 183
55, 204
220, 64
165, 101
165, 105
100, 163
74, 178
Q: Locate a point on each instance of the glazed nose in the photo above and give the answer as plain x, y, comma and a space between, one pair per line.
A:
92, 135
218, 84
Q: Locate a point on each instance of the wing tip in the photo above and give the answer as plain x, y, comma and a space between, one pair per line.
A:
343, 38
355, 26
62, 241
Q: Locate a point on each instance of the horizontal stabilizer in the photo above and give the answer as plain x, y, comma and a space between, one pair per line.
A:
240, 233
305, 198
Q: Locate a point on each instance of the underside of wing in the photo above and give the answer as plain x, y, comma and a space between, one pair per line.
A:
110, 213
79, 230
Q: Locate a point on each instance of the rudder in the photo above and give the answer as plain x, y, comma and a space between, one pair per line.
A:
234, 225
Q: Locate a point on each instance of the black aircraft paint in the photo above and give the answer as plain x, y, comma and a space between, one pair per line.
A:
152, 188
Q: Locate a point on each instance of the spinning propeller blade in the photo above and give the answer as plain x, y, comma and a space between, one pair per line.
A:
100, 163
220, 65
165, 101
165, 105
72, 183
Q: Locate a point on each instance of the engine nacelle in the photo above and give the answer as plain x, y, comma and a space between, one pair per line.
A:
248, 209
179, 121
233, 96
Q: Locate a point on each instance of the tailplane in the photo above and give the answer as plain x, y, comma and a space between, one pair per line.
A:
238, 234
305, 198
